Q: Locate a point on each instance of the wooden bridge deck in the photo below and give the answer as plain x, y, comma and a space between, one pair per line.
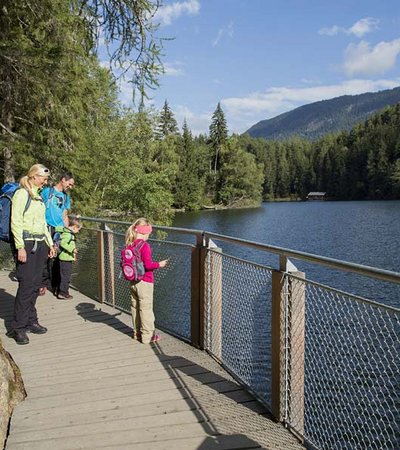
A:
90, 386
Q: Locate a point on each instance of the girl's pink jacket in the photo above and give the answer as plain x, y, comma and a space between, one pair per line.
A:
148, 263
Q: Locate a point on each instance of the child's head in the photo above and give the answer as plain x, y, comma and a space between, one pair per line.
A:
74, 224
140, 229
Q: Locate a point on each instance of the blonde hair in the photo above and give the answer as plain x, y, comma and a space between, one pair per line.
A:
131, 234
26, 181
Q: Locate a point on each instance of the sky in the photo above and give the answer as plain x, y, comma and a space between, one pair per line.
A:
261, 58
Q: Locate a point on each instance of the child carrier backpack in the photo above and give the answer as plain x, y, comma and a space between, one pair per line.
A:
131, 262
6, 194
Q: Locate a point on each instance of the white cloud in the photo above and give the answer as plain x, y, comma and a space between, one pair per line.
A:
174, 69
166, 14
228, 31
364, 26
359, 28
365, 60
198, 123
241, 112
331, 31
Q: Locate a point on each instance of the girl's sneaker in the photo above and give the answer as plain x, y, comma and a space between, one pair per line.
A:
155, 338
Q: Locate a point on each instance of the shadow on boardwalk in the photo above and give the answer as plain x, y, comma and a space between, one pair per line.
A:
90, 385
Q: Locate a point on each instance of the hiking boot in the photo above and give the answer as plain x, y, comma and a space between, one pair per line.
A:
64, 297
36, 328
19, 335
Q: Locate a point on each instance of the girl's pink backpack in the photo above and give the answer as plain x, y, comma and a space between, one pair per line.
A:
131, 262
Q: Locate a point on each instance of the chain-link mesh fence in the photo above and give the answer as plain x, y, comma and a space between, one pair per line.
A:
339, 369
98, 275
339, 354
342, 368
238, 312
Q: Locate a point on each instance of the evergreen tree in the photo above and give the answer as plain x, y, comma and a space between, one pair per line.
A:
167, 123
217, 139
189, 188
218, 134
240, 176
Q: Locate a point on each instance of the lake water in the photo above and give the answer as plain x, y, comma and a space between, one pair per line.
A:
351, 362
363, 232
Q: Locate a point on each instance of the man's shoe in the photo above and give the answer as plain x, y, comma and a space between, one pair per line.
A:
64, 297
42, 291
36, 328
19, 335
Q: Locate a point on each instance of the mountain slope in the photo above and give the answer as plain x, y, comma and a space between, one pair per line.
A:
327, 116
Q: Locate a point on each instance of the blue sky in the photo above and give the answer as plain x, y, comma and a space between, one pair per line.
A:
261, 58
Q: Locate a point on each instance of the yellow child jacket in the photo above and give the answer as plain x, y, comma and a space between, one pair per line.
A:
33, 222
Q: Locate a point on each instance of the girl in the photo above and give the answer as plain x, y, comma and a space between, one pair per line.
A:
33, 245
142, 291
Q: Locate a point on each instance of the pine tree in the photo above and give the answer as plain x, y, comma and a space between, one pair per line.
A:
167, 123
218, 134
217, 140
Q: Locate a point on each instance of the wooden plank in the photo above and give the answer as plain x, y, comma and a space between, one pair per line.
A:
90, 385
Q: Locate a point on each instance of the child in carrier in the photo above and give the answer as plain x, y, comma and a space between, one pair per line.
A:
142, 291
64, 237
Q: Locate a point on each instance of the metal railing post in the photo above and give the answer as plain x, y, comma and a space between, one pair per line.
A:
198, 258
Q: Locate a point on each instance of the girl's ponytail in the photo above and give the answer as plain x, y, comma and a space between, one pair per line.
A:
131, 234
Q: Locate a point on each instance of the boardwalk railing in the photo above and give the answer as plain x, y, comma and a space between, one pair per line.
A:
324, 361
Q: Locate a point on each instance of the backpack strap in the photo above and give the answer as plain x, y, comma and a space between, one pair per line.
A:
52, 194
138, 247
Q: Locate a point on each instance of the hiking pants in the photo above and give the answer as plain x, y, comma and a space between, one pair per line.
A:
142, 309
29, 276
65, 276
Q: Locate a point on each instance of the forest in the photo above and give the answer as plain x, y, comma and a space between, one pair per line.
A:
59, 106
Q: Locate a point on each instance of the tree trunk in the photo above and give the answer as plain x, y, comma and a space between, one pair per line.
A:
9, 167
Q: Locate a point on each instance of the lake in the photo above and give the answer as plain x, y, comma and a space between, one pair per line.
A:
362, 232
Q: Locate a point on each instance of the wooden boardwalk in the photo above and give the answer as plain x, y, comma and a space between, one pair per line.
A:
91, 386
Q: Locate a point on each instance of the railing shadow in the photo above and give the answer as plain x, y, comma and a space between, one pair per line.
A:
200, 403
90, 313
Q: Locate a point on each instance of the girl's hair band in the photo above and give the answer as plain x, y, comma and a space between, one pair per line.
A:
144, 229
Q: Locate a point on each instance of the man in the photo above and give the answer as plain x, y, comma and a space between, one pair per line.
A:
58, 203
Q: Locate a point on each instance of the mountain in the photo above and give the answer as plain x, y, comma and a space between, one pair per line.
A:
327, 116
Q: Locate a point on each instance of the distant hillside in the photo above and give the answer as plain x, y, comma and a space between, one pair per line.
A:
328, 116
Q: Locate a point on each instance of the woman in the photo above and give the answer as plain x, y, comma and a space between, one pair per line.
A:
33, 245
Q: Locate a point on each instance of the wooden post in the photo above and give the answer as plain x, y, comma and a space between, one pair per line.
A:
214, 277
109, 266
296, 332
288, 347
278, 346
197, 293
100, 265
